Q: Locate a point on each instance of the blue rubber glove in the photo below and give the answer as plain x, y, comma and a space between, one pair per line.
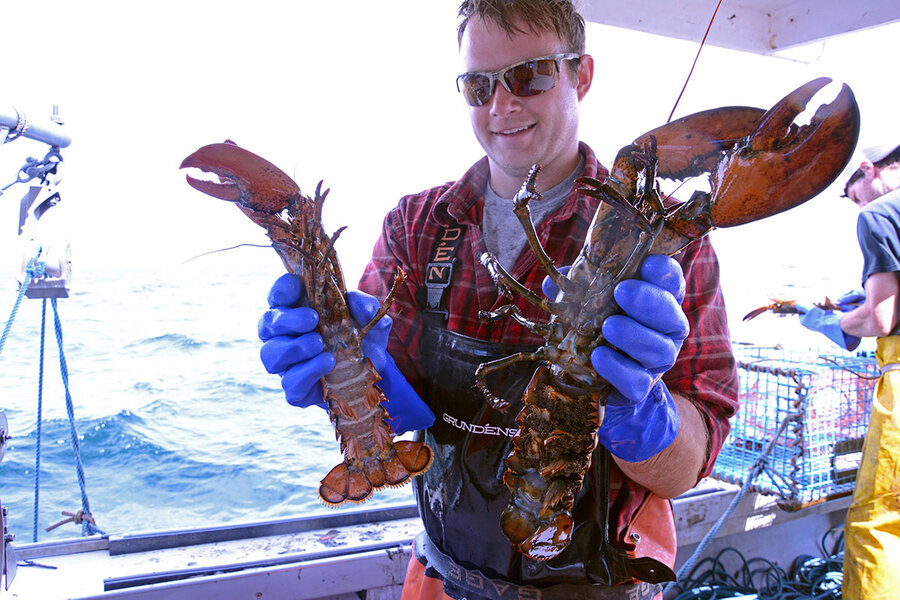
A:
828, 323
291, 347
851, 300
293, 350
406, 409
550, 289
641, 418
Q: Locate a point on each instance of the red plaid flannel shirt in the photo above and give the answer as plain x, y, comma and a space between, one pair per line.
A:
705, 370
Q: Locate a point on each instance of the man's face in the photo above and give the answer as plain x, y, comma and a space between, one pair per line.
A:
867, 188
518, 132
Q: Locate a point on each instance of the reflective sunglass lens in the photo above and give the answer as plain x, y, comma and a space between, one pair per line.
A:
476, 88
531, 78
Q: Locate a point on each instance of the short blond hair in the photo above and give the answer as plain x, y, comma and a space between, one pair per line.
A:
560, 16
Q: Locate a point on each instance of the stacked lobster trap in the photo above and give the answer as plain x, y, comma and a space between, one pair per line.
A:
806, 416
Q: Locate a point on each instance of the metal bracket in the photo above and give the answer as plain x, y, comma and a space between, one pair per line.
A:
44, 238
4, 434
39, 169
7, 553
437, 279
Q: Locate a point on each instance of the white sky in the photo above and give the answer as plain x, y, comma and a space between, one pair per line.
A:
348, 93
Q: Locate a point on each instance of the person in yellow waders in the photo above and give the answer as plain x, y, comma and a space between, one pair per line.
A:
872, 529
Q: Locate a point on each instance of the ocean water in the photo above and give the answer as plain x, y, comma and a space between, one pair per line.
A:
179, 424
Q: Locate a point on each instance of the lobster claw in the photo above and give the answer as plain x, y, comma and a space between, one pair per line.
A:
691, 145
780, 165
244, 177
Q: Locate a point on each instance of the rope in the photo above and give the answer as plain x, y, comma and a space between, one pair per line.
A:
808, 578
832, 361
694, 64
32, 269
758, 466
21, 127
79, 518
37, 447
88, 527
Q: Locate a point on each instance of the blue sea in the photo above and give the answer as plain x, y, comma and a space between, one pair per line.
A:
180, 426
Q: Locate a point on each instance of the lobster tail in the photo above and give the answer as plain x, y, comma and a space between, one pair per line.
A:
547, 464
416, 457
347, 482
344, 484
372, 459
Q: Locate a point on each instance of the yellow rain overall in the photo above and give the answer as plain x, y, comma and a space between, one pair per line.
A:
872, 531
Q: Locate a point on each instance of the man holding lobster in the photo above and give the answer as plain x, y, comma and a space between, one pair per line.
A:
525, 74
872, 529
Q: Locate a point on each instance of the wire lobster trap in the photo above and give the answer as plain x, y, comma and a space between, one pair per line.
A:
812, 409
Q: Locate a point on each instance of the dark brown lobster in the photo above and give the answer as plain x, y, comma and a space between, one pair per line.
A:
760, 164
293, 222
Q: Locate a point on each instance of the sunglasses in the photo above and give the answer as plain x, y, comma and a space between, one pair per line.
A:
527, 78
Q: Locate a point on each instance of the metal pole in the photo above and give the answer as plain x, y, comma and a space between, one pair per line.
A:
48, 131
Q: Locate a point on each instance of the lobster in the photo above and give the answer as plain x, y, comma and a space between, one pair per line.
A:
789, 307
760, 164
293, 222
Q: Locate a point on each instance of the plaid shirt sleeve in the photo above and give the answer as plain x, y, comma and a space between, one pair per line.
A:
397, 248
705, 370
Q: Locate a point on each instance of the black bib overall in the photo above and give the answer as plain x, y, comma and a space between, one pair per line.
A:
462, 495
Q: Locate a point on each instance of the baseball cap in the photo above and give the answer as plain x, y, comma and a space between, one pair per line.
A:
876, 153
873, 154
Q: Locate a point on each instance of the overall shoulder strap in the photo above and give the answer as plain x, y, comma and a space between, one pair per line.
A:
439, 271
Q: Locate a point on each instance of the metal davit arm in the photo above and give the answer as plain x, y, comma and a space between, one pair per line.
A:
14, 124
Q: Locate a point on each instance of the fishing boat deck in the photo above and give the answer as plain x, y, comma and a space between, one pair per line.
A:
353, 554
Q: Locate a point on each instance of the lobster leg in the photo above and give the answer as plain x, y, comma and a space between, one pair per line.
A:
399, 278
508, 284
520, 207
511, 310
485, 369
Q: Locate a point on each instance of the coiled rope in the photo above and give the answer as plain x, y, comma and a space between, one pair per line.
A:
758, 466
33, 269
809, 578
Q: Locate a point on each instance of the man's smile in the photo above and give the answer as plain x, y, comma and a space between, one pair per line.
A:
513, 130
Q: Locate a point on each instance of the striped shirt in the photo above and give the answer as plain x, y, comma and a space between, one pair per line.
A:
704, 371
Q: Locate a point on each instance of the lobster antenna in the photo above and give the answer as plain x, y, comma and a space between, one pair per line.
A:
691, 72
225, 250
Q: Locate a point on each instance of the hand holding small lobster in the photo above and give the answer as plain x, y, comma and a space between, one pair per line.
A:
291, 346
828, 322
351, 378
641, 418
293, 349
